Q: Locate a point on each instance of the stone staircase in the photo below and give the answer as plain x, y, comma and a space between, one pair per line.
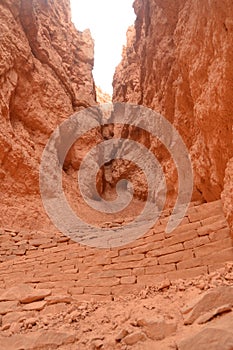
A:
200, 245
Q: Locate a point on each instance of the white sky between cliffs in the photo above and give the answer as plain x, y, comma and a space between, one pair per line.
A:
108, 21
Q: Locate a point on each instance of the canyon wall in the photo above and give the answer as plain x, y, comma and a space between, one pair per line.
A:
227, 195
179, 62
45, 75
175, 63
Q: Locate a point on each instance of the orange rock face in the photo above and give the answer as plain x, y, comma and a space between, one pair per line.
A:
102, 97
227, 195
178, 61
45, 75
174, 63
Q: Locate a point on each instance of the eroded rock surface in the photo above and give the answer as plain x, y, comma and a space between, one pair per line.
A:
148, 319
45, 75
181, 66
227, 195
209, 302
217, 336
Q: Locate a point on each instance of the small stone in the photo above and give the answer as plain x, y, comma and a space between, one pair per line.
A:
39, 241
35, 295
15, 327
213, 313
134, 338
25, 294
123, 333
31, 321
119, 221
58, 299
62, 239
165, 284
97, 344
143, 294
87, 329
157, 328
37, 306
181, 288
75, 315
83, 307
229, 276
218, 336
6, 327
208, 302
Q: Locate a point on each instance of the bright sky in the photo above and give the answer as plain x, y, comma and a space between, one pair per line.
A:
108, 21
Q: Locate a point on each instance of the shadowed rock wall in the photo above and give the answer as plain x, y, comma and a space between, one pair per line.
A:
45, 75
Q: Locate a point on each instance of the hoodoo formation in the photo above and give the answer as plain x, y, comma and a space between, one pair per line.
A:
58, 294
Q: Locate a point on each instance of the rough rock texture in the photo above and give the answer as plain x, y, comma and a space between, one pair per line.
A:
208, 303
56, 294
50, 261
102, 97
149, 319
217, 336
227, 195
45, 75
178, 61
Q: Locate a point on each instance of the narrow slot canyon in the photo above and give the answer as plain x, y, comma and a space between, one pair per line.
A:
116, 175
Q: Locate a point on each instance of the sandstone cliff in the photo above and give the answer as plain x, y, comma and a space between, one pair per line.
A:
179, 62
102, 97
45, 75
